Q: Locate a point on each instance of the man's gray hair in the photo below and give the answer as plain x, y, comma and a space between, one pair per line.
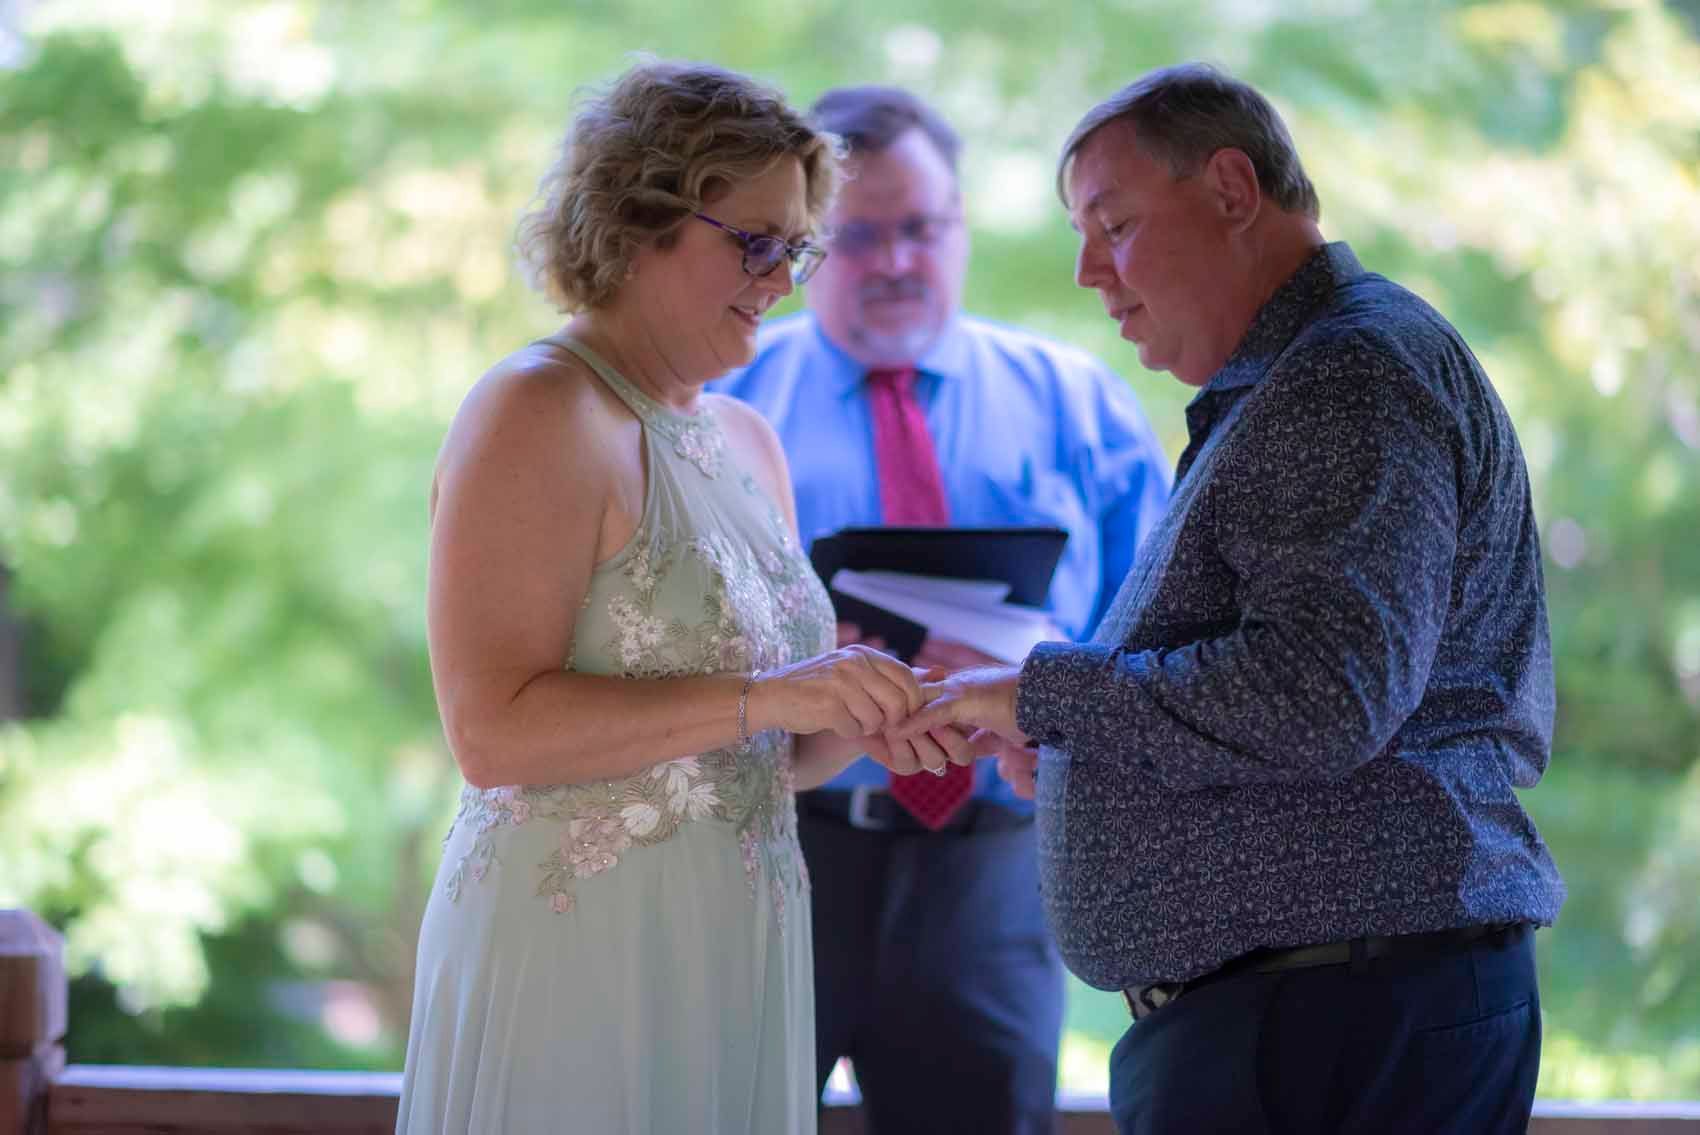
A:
1183, 114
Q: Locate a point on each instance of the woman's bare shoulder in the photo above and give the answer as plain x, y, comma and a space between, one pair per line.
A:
536, 379
535, 396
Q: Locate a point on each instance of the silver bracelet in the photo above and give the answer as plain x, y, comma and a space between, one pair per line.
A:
743, 706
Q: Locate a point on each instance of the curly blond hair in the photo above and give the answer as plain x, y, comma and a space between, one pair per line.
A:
645, 153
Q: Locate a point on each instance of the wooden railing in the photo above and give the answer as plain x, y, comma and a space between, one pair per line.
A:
41, 1095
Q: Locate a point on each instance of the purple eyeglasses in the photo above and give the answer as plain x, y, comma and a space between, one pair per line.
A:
762, 253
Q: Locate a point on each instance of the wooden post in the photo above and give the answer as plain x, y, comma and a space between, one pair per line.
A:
32, 1019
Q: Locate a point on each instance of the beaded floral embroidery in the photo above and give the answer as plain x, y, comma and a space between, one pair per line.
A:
763, 608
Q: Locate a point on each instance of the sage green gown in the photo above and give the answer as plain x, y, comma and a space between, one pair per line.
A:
634, 955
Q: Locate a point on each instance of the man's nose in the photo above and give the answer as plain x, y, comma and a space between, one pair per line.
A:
896, 254
1092, 267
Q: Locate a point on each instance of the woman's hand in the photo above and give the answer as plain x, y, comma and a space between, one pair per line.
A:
854, 691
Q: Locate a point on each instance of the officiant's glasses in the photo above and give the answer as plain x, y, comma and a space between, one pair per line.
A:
921, 230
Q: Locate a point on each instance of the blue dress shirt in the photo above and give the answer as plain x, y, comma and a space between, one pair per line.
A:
1027, 431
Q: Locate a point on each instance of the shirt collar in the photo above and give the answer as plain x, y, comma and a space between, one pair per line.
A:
948, 356
1288, 310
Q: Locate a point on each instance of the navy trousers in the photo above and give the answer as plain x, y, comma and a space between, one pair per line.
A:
936, 975
1431, 1045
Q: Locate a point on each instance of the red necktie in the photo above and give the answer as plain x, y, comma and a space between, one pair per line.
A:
912, 492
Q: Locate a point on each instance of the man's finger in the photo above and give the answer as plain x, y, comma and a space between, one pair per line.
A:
938, 714
987, 743
955, 745
1019, 775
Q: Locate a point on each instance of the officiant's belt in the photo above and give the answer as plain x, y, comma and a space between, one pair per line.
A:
1143, 1000
870, 808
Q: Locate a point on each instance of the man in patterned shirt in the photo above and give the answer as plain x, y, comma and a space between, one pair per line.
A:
1276, 791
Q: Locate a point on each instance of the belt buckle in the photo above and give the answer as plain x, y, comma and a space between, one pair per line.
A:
1144, 1000
860, 818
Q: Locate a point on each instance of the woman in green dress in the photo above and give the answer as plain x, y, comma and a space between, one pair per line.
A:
632, 657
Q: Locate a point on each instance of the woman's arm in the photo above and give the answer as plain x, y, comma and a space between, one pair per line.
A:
539, 480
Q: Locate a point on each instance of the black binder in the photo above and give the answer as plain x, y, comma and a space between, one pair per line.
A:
1024, 558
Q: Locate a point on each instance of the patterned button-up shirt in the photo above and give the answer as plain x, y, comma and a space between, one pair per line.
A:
1304, 715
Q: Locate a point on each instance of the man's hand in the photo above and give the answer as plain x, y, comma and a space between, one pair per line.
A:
982, 698
1017, 764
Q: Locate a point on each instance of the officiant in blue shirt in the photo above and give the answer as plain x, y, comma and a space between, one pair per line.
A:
931, 949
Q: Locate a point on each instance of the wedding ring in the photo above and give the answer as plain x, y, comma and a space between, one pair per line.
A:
940, 771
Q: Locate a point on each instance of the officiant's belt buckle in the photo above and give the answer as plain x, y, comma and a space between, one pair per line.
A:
862, 819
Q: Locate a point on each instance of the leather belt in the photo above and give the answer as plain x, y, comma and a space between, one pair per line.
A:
870, 808
1143, 1000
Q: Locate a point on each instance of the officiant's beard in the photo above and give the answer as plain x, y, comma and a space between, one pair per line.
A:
899, 319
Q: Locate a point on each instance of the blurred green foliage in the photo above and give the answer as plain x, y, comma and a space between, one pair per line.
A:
252, 253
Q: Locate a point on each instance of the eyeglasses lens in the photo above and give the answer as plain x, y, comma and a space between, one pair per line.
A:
762, 255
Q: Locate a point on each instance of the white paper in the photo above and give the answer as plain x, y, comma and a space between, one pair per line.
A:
968, 611
979, 593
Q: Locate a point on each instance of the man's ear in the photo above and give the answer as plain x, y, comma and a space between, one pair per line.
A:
1231, 181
